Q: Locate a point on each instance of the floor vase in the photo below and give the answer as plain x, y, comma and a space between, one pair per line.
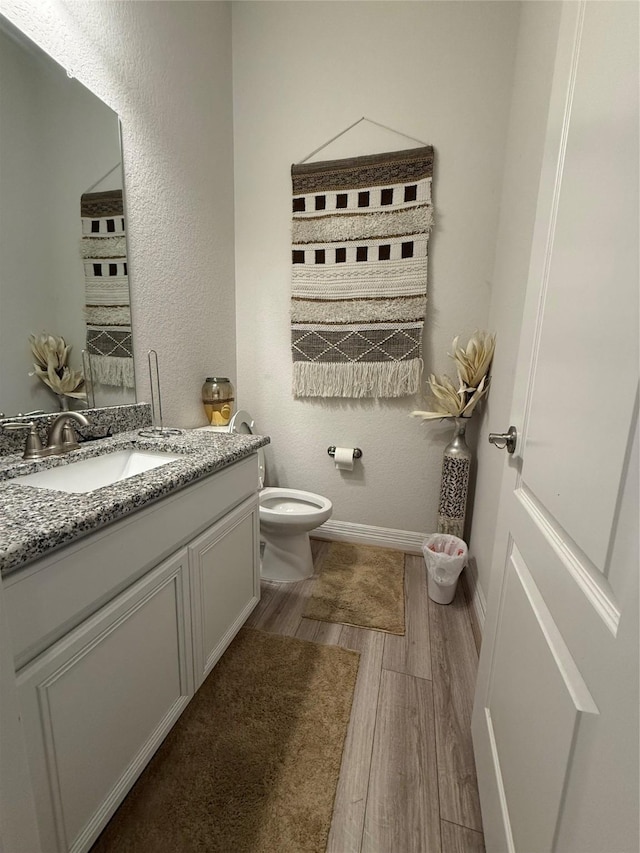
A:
454, 484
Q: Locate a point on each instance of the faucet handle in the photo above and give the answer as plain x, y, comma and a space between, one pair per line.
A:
69, 438
33, 448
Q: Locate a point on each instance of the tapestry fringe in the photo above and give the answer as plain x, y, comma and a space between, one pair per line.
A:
357, 379
113, 371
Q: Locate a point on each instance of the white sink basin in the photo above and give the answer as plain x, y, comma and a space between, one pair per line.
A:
96, 472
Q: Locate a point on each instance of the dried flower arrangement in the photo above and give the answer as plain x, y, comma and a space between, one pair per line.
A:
51, 354
472, 366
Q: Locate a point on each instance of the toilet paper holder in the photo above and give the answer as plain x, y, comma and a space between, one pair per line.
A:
357, 453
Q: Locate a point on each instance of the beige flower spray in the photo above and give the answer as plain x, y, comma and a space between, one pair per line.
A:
51, 354
472, 366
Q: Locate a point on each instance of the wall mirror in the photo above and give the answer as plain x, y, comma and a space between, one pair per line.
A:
63, 264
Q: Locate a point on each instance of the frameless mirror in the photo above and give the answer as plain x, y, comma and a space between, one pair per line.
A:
63, 265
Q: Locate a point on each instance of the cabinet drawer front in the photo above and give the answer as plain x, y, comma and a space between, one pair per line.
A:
47, 599
224, 569
98, 703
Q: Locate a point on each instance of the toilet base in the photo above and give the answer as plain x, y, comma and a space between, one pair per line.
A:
287, 558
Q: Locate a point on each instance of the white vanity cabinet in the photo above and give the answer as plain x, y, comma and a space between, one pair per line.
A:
99, 692
97, 704
223, 593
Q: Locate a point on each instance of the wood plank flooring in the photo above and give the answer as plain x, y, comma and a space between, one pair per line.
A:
407, 782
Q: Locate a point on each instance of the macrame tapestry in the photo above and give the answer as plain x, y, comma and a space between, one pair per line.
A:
108, 313
359, 276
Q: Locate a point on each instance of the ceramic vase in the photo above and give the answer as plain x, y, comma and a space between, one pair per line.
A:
454, 484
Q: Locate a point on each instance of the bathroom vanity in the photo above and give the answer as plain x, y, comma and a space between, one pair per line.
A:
119, 602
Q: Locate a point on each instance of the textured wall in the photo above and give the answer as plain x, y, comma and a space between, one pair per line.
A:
165, 68
303, 72
523, 159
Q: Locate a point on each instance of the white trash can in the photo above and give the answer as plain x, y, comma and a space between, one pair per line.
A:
445, 557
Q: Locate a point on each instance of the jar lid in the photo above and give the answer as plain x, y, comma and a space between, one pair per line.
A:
217, 379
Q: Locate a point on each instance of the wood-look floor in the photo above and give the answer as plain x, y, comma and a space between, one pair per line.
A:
407, 782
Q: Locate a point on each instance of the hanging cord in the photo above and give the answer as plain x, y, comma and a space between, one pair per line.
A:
351, 126
100, 180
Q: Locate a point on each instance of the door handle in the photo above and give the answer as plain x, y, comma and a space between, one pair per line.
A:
504, 440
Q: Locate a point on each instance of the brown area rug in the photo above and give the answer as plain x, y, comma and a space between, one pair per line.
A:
360, 585
253, 763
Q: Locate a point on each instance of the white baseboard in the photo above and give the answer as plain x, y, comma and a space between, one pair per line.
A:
385, 537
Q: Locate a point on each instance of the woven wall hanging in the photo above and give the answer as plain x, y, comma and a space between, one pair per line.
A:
359, 274
107, 310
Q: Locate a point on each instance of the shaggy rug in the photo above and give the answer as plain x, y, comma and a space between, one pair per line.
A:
360, 585
253, 763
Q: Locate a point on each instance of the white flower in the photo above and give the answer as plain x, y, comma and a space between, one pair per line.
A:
49, 349
473, 365
474, 399
473, 362
449, 401
51, 354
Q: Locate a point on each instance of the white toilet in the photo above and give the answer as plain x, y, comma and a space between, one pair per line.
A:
286, 517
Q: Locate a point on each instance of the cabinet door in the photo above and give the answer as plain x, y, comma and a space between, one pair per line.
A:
225, 583
98, 703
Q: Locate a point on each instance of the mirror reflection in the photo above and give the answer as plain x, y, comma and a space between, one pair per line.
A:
64, 276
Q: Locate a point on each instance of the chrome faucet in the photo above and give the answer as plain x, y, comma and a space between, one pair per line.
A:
61, 438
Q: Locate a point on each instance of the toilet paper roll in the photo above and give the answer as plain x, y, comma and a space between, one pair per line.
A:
343, 458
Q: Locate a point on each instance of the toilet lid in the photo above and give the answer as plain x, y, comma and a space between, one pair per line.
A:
242, 423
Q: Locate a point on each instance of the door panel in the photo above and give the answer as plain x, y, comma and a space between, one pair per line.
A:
533, 680
558, 675
601, 812
594, 247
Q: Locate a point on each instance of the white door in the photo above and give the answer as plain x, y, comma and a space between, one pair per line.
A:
555, 721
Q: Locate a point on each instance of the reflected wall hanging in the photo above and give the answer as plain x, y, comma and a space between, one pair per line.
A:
108, 313
359, 273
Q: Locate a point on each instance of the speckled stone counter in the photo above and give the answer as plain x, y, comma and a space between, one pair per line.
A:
107, 420
34, 521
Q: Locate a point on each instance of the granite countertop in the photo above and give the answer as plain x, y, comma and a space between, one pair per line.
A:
34, 521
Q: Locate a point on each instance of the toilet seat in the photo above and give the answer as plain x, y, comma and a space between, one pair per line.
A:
277, 506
